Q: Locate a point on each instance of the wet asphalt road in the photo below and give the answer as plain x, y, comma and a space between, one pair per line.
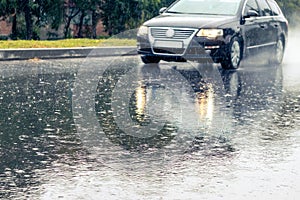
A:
113, 128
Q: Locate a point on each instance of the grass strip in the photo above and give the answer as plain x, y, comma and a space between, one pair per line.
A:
67, 43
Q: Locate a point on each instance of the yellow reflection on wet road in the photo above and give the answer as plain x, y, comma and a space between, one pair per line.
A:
205, 105
140, 95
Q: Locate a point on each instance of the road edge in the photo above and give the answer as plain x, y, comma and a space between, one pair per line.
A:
60, 53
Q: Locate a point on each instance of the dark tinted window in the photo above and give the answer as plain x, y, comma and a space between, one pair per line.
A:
251, 5
264, 6
274, 7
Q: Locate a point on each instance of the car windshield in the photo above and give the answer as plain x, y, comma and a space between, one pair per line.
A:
206, 7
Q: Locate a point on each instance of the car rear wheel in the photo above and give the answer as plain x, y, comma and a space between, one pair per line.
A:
150, 59
278, 54
233, 55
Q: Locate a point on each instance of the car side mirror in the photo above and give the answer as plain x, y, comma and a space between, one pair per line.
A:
251, 13
162, 10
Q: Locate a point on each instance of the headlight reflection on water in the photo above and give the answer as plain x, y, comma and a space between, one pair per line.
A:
205, 105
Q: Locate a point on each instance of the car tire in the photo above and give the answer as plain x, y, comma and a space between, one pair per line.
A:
277, 55
233, 55
150, 59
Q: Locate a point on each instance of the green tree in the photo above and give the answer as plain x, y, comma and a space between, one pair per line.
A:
291, 9
115, 14
70, 11
150, 8
87, 7
83, 7
8, 8
14, 8
34, 13
79, 9
50, 12
27, 6
121, 15
96, 16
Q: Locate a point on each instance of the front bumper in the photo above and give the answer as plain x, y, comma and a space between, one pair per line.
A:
197, 49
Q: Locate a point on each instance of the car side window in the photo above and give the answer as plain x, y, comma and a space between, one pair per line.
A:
251, 5
274, 7
265, 8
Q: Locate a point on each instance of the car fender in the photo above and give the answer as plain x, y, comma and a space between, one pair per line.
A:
231, 33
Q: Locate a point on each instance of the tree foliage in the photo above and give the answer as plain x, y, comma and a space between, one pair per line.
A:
291, 9
28, 16
7, 8
32, 13
120, 15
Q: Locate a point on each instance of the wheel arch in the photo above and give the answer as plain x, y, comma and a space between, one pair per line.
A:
283, 37
242, 42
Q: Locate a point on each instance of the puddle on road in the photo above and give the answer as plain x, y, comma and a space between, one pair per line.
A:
218, 134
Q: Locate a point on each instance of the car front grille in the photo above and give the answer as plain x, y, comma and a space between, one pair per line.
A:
178, 33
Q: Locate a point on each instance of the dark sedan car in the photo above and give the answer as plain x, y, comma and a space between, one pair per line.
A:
224, 31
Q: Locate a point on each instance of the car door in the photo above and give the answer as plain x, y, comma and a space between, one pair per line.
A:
252, 29
268, 32
275, 24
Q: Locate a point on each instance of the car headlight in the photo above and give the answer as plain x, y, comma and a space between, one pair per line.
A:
210, 33
143, 31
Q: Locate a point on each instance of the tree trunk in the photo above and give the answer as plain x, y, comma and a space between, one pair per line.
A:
68, 23
14, 33
95, 19
67, 26
79, 35
28, 20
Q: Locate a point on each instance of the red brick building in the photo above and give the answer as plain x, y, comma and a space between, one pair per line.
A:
5, 28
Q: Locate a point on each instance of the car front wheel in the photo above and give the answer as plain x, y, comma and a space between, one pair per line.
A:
150, 59
233, 55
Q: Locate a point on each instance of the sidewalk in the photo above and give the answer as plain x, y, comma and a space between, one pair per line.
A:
58, 53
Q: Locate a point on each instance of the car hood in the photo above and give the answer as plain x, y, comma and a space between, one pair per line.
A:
190, 21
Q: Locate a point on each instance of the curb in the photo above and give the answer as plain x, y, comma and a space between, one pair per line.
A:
59, 53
